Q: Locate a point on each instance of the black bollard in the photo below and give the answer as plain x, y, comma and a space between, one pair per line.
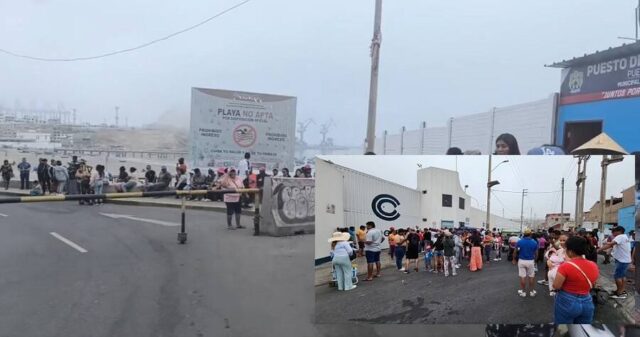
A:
182, 236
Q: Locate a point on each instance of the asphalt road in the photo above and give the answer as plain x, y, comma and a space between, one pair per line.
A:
487, 296
136, 280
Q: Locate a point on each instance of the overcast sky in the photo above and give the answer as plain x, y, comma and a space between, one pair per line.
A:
439, 59
535, 173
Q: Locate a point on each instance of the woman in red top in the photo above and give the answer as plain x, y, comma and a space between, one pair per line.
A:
574, 280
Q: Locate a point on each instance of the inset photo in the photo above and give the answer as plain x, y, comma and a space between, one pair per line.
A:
475, 239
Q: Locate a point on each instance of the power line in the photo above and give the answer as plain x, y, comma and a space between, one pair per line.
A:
529, 192
122, 51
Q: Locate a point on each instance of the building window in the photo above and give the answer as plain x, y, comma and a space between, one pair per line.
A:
461, 203
447, 200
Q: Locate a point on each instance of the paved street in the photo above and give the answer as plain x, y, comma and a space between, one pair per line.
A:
488, 296
136, 280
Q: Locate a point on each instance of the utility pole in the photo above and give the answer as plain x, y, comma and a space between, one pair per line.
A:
117, 108
488, 194
562, 204
373, 88
524, 192
606, 161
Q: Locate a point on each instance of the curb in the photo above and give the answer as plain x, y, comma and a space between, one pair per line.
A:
187, 206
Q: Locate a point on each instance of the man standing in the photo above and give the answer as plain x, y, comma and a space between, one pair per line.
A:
43, 176
526, 250
24, 168
372, 243
244, 166
621, 253
449, 254
72, 168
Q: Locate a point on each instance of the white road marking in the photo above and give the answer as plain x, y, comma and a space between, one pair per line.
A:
3, 215
130, 217
69, 242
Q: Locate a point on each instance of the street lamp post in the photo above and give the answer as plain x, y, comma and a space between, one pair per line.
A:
490, 184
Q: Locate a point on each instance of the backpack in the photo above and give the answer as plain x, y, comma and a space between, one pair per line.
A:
59, 173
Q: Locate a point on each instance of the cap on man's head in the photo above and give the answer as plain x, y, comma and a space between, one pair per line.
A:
163, 167
546, 150
618, 229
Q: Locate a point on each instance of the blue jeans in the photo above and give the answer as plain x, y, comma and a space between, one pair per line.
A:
427, 260
344, 271
573, 309
400, 252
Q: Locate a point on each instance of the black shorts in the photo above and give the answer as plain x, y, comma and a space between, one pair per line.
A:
233, 207
361, 244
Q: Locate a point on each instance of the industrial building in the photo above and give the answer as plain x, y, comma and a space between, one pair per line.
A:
347, 197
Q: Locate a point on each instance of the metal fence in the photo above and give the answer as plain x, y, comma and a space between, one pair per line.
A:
531, 123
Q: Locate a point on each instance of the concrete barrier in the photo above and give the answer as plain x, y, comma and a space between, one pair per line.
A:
288, 206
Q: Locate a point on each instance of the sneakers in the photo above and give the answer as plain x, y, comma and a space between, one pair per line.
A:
532, 293
552, 293
352, 287
521, 293
402, 269
621, 296
543, 282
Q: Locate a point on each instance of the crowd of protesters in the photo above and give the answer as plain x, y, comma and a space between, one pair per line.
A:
567, 259
78, 177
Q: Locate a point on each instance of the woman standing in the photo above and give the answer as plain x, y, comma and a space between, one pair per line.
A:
340, 252
392, 242
438, 247
574, 280
7, 173
401, 248
487, 243
97, 182
413, 248
232, 200
466, 244
428, 250
506, 144
476, 252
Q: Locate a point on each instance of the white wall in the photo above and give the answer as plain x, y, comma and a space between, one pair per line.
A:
437, 182
352, 193
531, 123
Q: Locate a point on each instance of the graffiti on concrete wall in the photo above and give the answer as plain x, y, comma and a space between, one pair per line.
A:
294, 200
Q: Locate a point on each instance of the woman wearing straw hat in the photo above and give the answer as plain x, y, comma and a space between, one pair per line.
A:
340, 252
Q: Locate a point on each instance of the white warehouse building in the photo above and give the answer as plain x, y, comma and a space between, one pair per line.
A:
352, 198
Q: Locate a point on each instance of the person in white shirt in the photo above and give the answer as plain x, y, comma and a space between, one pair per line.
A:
341, 251
621, 253
244, 166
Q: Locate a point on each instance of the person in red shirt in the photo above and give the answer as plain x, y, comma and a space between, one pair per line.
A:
574, 280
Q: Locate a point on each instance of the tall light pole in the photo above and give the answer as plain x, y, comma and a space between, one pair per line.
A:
606, 161
524, 192
373, 88
490, 184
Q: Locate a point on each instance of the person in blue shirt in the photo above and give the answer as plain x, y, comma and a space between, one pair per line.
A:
526, 251
25, 169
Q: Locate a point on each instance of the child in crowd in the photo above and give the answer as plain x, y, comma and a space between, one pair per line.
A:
36, 190
554, 260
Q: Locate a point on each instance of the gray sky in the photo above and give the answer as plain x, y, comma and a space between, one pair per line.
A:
439, 59
535, 173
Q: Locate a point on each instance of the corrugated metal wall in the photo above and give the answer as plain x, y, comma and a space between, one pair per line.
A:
531, 123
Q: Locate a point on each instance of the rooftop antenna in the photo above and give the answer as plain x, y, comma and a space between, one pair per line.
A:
637, 25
